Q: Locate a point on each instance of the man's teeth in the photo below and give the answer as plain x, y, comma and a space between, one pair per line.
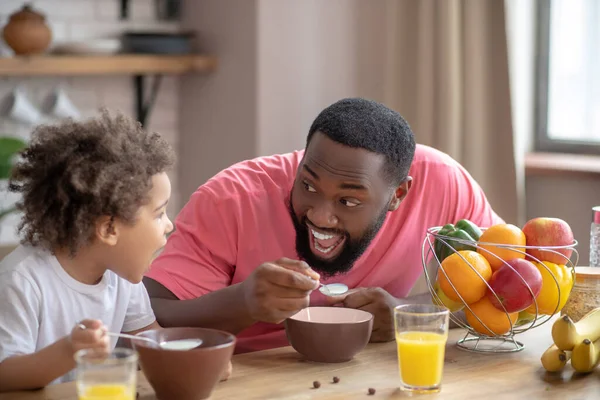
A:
322, 250
321, 236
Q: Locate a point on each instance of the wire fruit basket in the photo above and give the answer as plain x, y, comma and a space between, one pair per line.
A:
469, 312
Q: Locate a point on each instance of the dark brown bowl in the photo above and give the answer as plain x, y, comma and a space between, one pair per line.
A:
329, 334
185, 374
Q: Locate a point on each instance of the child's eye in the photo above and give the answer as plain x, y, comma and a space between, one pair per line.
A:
159, 216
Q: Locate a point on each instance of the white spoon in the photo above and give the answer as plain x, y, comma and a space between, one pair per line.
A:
179, 344
333, 289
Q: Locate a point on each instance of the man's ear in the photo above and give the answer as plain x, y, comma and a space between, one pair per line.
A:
106, 230
400, 193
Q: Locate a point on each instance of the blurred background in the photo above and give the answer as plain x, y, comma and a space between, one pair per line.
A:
508, 88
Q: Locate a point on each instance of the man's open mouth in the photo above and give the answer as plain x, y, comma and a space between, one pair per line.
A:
325, 245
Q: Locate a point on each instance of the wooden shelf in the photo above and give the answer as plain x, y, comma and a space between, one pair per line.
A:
562, 164
138, 65
128, 64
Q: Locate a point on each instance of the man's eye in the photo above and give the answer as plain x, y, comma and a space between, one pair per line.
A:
308, 188
349, 203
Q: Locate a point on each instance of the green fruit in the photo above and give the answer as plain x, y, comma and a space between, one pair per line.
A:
524, 318
464, 230
473, 230
445, 301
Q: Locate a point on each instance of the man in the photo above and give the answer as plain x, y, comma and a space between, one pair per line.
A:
354, 207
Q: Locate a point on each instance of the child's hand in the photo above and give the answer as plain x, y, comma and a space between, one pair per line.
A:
92, 337
227, 373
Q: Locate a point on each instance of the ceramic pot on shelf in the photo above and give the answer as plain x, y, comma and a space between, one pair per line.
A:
26, 32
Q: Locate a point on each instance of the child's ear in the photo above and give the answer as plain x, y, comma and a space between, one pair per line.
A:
106, 230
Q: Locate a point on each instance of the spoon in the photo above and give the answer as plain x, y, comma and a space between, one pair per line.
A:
333, 289
324, 289
179, 344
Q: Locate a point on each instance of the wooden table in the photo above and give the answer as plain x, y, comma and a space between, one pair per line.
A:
283, 374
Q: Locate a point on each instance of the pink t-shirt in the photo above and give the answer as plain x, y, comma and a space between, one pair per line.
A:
240, 219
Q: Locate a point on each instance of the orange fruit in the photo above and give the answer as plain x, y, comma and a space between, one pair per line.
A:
501, 234
464, 274
495, 322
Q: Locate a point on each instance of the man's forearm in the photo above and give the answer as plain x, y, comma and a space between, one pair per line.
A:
223, 309
34, 371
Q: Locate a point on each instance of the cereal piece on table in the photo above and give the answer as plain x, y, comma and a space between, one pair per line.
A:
336, 379
316, 384
371, 391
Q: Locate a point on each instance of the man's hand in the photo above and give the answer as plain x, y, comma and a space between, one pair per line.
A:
376, 301
277, 290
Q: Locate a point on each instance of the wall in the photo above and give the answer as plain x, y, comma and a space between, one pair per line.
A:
76, 20
311, 54
218, 117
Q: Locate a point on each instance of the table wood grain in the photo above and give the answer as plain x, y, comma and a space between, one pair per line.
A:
283, 374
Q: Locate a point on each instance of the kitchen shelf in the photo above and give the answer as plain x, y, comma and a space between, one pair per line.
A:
137, 65
105, 65
555, 164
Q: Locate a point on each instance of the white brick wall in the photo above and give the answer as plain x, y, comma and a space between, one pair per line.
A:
76, 20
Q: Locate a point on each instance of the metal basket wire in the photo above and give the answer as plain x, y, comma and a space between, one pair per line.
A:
476, 341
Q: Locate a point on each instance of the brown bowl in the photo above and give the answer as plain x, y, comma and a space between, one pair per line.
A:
329, 334
185, 374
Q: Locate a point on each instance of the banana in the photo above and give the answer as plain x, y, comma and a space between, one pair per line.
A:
566, 333
586, 356
554, 359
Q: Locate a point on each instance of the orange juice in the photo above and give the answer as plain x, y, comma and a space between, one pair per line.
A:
107, 392
421, 358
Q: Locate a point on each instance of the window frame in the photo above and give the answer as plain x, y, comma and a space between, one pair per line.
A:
542, 142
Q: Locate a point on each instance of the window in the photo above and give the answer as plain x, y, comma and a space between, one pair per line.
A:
568, 76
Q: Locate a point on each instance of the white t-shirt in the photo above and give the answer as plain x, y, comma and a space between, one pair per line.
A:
40, 303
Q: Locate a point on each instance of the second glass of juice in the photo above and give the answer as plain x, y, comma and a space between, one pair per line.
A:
106, 377
421, 336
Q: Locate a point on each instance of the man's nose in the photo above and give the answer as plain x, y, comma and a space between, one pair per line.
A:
322, 216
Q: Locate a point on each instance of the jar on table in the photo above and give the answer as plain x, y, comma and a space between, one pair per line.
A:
595, 238
585, 295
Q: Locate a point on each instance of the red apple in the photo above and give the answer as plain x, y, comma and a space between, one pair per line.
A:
545, 231
510, 285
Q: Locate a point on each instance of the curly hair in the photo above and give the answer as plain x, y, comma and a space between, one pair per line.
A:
75, 172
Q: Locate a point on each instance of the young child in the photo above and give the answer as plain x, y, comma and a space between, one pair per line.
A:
94, 196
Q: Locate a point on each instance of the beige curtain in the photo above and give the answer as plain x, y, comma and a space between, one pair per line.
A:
447, 73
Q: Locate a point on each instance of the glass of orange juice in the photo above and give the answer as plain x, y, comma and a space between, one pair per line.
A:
421, 335
106, 377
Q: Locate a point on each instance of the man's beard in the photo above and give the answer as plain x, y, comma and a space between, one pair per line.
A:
352, 250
